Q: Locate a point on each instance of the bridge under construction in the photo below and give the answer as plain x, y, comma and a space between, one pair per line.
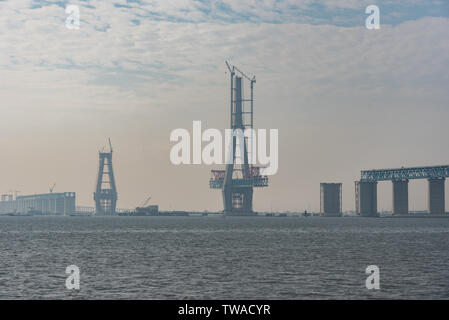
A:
105, 195
240, 177
366, 189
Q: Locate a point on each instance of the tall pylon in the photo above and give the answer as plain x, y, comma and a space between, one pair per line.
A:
239, 178
105, 194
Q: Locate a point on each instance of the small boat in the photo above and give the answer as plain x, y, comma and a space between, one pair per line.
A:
282, 215
79, 214
18, 214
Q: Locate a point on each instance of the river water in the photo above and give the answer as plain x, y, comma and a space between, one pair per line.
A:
223, 258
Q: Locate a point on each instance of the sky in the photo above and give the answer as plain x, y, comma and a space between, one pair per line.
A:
344, 98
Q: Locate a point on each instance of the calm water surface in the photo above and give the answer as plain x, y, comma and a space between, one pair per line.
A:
223, 258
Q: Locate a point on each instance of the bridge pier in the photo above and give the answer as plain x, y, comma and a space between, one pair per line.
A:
436, 196
366, 198
400, 197
366, 192
330, 200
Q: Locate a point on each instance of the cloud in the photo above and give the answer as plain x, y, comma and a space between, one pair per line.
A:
108, 50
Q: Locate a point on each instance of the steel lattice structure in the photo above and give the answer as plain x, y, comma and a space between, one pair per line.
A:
434, 172
261, 181
238, 179
105, 198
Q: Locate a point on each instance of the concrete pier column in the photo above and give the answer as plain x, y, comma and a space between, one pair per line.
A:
366, 198
330, 200
436, 196
400, 196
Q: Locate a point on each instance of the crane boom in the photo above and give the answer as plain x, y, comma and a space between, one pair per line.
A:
146, 201
232, 68
110, 144
229, 67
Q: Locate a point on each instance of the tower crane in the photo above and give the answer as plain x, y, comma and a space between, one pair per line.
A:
232, 69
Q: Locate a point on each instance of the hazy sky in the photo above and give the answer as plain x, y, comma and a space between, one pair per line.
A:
343, 97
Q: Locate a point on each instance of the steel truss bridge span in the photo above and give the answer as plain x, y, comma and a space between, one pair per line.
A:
434, 172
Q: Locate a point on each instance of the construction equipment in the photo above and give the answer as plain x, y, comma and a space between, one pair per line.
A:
146, 201
110, 144
146, 210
